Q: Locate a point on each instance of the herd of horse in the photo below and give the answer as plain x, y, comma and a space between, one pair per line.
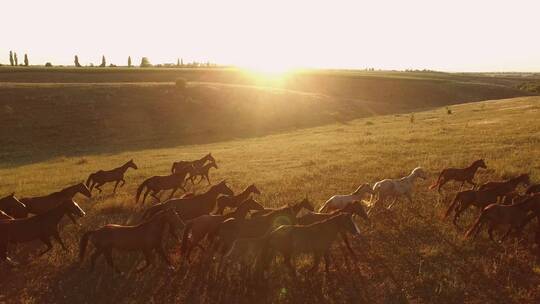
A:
248, 233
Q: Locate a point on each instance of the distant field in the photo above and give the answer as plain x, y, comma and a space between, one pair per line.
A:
409, 255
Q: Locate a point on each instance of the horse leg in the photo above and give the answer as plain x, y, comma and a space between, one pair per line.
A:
56, 236
443, 181
207, 179
506, 234
346, 241
116, 185
153, 194
172, 193
490, 233
461, 186
164, 257
46, 241
98, 187
147, 258
288, 263
123, 182
145, 195
327, 262
97, 253
393, 203
108, 257
316, 262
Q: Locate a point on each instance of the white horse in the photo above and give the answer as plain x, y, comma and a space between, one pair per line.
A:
340, 201
396, 187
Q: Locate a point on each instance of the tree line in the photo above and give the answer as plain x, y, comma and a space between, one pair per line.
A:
145, 62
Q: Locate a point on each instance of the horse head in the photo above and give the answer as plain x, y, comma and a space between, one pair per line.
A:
251, 204
83, 189
306, 204
253, 189
346, 222
13, 206
419, 172
525, 179
173, 219
480, 164
223, 188
71, 209
210, 158
131, 164
358, 209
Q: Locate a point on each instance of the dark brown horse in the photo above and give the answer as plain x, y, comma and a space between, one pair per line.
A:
145, 237
516, 216
315, 239
41, 204
502, 188
233, 201
192, 206
202, 172
196, 163
303, 204
13, 207
40, 227
199, 227
156, 184
459, 174
464, 199
102, 177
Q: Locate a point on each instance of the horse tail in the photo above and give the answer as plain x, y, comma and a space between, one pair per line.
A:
476, 224
84, 243
187, 229
140, 189
90, 179
436, 183
452, 206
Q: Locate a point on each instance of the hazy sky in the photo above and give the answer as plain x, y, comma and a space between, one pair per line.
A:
457, 35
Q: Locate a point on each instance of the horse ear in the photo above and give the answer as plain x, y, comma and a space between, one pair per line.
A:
12, 194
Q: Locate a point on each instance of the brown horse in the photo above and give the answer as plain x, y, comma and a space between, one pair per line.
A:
303, 204
464, 199
13, 207
102, 177
5, 216
201, 226
502, 188
158, 183
146, 237
459, 174
233, 201
192, 206
533, 189
41, 204
40, 227
513, 215
196, 163
202, 172
315, 239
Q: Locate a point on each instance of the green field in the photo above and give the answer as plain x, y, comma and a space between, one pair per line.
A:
409, 254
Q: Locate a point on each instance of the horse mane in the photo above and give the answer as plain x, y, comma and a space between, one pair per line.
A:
359, 187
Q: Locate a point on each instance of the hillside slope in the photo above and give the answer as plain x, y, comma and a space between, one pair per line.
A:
410, 253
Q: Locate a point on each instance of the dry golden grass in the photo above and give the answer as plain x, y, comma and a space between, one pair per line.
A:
410, 254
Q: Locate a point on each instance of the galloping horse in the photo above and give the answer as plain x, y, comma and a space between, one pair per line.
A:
202, 172
303, 204
196, 163
464, 199
201, 226
459, 174
315, 239
40, 227
502, 188
194, 205
513, 215
233, 201
340, 201
396, 187
13, 207
158, 183
146, 237
41, 204
102, 177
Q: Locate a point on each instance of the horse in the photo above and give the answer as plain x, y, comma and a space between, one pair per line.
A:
5, 216
459, 174
192, 206
196, 163
233, 201
315, 239
303, 204
502, 188
158, 183
201, 226
145, 237
41, 204
533, 189
101, 177
202, 172
340, 201
396, 187
13, 206
516, 216
39, 227
464, 199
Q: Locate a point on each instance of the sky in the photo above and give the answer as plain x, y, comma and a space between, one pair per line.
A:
457, 35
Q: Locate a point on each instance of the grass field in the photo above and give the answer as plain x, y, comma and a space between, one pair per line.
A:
409, 255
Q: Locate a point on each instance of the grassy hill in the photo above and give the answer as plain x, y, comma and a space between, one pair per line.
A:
409, 254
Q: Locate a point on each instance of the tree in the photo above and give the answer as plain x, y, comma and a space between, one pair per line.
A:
48, 64
181, 62
177, 62
77, 64
145, 62
103, 62
11, 62
15, 59
25, 60
129, 61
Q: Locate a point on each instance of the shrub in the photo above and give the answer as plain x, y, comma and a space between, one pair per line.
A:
448, 111
48, 64
181, 83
